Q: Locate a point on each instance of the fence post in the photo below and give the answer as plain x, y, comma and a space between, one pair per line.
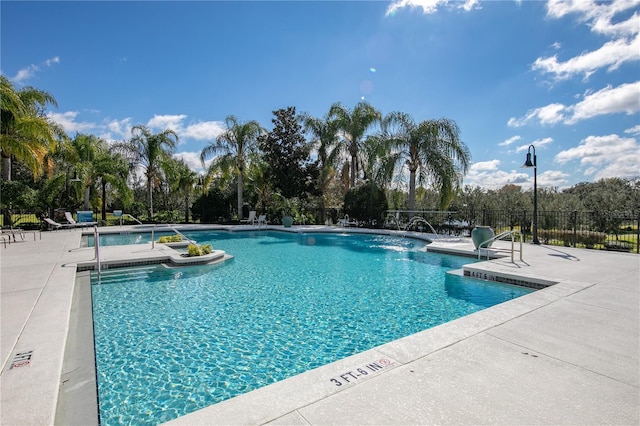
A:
575, 226
638, 234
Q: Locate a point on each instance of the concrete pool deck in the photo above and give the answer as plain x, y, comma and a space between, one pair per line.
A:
566, 354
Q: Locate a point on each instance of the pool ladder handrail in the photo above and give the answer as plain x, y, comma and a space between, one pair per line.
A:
500, 236
420, 220
96, 243
183, 236
127, 214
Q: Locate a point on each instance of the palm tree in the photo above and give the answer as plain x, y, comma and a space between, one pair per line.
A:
354, 125
324, 137
112, 170
430, 150
234, 147
182, 181
146, 150
379, 163
26, 134
83, 152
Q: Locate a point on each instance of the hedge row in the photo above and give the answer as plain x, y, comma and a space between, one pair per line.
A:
588, 238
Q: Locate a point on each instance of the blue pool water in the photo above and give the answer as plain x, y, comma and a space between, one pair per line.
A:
170, 341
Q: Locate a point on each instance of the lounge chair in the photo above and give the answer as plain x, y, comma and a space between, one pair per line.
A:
73, 222
252, 218
55, 225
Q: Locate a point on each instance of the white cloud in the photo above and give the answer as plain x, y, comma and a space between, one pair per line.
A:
430, 6
550, 114
68, 122
163, 122
538, 143
205, 130
30, 71
510, 140
623, 98
605, 156
635, 130
611, 55
191, 159
115, 130
603, 18
54, 60
610, 100
495, 179
552, 178
482, 166
486, 174
201, 130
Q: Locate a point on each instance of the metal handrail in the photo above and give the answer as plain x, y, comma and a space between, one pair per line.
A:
127, 214
499, 237
96, 243
417, 220
183, 236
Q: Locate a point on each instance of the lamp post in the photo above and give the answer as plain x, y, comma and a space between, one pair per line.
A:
528, 164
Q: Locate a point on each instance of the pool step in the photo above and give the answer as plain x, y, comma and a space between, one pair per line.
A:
122, 274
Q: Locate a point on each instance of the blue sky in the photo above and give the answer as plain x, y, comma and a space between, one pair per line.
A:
563, 76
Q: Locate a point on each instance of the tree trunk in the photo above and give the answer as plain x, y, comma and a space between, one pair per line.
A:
352, 182
104, 200
240, 194
6, 167
87, 193
186, 206
150, 196
412, 189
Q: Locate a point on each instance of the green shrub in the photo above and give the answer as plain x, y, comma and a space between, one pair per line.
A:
590, 239
617, 246
587, 238
196, 250
170, 239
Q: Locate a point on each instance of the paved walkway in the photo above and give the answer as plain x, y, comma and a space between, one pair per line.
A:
567, 354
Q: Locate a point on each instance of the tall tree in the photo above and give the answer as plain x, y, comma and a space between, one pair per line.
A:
112, 172
182, 181
286, 152
147, 150
323, 133
430, 150
26, 133
354, 125
234, 147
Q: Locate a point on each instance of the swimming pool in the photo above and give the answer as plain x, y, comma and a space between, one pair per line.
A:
170, 341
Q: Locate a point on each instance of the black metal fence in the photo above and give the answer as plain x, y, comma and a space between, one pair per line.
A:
607, 230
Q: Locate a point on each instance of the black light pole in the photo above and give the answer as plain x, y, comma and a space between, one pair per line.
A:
534, 164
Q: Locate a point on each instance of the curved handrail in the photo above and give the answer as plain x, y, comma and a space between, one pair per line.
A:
500, 236
127, 214
183, 236
417, 219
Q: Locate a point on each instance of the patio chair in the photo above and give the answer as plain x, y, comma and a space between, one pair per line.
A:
251, 219
5, 239
72, 221
12, 232
262, 219
55, 225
